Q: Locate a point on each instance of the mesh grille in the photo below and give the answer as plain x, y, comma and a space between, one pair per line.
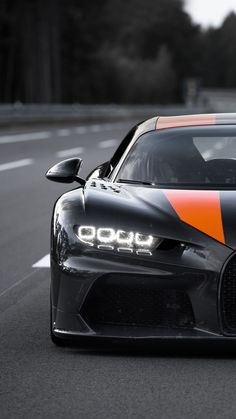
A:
228, 297
137, 303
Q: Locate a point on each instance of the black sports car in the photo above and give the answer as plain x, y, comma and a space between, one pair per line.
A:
145, 247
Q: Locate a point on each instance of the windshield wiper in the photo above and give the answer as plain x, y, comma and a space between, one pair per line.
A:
131, 181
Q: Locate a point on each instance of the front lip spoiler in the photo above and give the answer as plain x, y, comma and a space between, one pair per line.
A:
195, 334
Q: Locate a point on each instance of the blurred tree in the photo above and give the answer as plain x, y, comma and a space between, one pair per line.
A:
108, 51
136, 80
32, 57
141, 28
83, 36
227, 35
218, 61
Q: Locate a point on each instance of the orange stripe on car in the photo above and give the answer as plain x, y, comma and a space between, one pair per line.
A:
200, 209
165, 122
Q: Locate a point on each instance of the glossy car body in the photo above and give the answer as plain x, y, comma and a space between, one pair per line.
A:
184, 288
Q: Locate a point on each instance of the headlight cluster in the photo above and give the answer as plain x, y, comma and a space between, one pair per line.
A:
118, 240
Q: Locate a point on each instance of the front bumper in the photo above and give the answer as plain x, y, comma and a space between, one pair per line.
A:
193, 277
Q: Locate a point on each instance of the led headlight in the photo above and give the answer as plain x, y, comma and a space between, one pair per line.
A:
124, 238
106, 235
118, 240
143, 240
87, 234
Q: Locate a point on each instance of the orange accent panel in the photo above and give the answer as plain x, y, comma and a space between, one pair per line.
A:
200, 209
185, 121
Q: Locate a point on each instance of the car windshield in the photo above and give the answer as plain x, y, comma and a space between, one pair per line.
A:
183, 157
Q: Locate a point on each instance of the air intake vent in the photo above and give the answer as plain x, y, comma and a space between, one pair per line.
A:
228, 298
136, 301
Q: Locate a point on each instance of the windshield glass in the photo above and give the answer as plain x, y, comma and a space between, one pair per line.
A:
189, 157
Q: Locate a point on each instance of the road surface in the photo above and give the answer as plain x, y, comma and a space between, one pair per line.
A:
39, 380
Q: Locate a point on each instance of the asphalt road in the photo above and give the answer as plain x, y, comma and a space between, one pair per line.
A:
39, 380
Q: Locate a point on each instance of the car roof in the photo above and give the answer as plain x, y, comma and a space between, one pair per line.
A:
164, 122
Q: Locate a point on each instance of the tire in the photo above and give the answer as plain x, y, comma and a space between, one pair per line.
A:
57, 341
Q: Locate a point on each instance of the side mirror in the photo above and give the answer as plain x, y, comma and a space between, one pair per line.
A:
66, 171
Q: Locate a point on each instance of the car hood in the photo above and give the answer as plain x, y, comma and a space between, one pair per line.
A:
188, 215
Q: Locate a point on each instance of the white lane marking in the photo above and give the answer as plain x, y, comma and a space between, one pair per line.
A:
15, 164
96, 128
6, 139
18, 283
63, 132
70, 152
108, 127
108, 143
81, 130
43, 263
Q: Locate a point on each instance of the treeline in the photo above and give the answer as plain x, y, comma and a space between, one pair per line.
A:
109, 51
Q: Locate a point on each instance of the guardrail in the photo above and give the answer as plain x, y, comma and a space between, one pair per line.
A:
219, 100
19, 114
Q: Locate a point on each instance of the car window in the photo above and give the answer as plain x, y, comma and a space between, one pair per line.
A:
191, 157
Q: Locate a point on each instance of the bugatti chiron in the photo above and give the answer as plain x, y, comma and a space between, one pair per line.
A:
144, 248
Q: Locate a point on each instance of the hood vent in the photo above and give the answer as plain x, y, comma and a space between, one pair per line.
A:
104, 186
